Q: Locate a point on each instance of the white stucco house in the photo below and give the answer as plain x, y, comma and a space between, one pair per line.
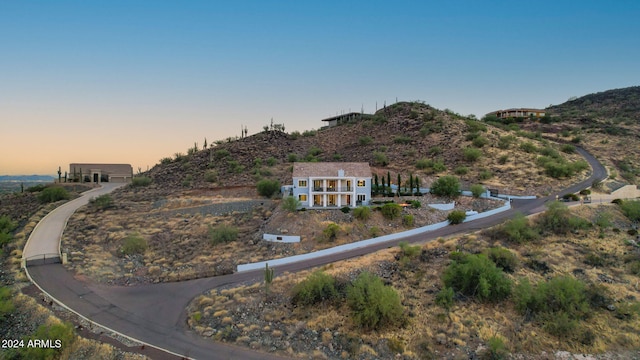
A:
331, 185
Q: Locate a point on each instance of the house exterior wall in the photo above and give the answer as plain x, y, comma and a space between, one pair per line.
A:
112, 172
513, 113
322, 185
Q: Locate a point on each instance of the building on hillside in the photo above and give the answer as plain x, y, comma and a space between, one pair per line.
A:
518, 113
98, 173
326, 185
341, 119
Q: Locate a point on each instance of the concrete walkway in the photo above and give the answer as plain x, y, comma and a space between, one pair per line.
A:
156, 314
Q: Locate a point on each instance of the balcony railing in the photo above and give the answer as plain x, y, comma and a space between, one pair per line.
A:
333, 189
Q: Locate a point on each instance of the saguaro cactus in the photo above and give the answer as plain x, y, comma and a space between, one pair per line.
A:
268, 277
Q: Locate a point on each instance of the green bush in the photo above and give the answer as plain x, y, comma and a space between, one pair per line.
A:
365, 140
138, 181
292, 158
345, 209
518, 230
503, 159
221, 154
391, 210
402, 139
557, 219
362, 213
330, 232
446, 186
290, 203
631, 209
316, 288
475, 126
6, 304
485, 175
374, 305
133, 244
222, 234
409, 250
6, 228
210, 176
271, 161
424, 163
503, 258
496, 349
528, 147
268, 188
568, 148
415, 204
480, 141
560, 295
461, 170
504, 142
471, 154
408, 220
456, 217
477, 190
36, 188
477, 276
53, 194
380, 158
102, 202
444, 298
63, 332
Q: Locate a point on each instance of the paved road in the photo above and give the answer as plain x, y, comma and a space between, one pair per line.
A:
155, 314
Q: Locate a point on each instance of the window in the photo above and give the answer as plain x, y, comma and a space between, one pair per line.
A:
302, 183
302, 197
361, 183
362, 197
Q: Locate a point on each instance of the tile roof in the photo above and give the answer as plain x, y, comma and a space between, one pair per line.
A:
307, 169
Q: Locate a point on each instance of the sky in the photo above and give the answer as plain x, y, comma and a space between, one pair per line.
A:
135, 81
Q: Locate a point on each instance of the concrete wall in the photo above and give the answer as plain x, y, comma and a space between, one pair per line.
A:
626, 192
281, 238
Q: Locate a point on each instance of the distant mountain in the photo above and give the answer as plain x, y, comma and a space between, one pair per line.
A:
618, 106
26, 178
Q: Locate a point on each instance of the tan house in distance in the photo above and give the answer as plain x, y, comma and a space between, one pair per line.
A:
518, 113
97, 173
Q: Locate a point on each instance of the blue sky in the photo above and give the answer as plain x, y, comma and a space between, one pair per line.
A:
134, 81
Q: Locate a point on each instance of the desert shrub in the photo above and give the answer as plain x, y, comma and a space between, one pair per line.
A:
461, 170
503, 258
504, 142
308, 133
292, 158
475, 126
373, 305
477, 276
362, 213
35, 188
480, 141
365, 140
415, 204
6, 228
444, 298
374, 231
471, 154
435, 150
268, 188
424, 163
446, 186
557, 219
477, 190
456, 217
271, 161
221, 154
528, 147
568, 148
330, 232
496, 349
402, 139
101, 202
409, 250
62, 331
503, 159
139, 181
391, 210
485, 174
627, 310
316, 288
550, 152
133, 244
345, 209
222, 234
631, 209
53, 194
290, 203
558, 296
408, 220
380, 158
518, 230
210, 176
6, 304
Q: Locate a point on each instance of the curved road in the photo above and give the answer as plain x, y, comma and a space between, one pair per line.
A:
156, 314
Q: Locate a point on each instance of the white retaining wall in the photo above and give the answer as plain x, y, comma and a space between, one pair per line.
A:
443, 207
363, 243
281, 238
